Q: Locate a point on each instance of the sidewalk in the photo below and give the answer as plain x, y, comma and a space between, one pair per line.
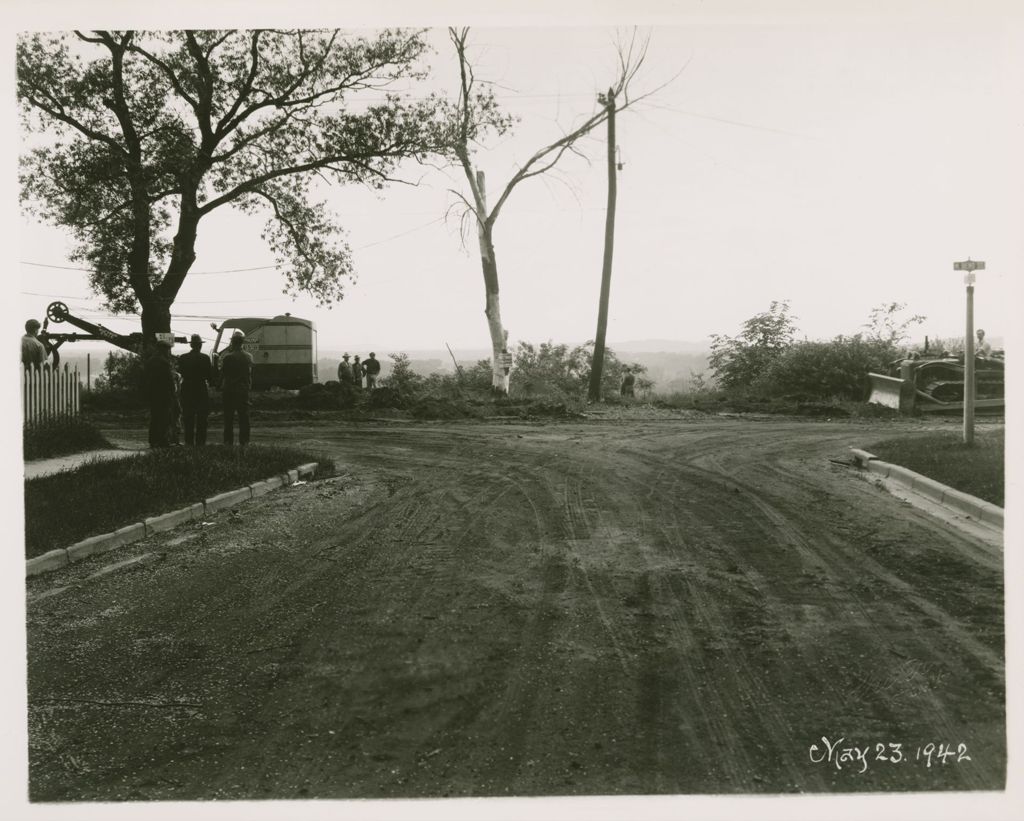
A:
45, 467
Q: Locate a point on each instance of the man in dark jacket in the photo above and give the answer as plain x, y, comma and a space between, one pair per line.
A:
158, 381
196, 372
236, 379
371, 367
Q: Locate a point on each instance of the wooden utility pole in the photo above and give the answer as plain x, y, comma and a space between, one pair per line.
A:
606, 273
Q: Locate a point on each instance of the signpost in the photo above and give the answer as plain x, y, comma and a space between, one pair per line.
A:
970, 266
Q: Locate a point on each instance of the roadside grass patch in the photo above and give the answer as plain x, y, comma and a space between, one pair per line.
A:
102, 496
61, 437
942, 456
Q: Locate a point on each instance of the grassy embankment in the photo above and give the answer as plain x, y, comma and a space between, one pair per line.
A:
944, 457
61, 438
100, 497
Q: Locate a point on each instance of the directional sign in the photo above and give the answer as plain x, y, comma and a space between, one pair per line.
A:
969, 265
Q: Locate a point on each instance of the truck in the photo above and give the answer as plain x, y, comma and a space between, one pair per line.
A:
283, 349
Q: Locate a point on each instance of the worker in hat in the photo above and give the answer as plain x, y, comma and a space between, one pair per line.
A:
158, 383
196, 371
236, 379
357, 372
345, 370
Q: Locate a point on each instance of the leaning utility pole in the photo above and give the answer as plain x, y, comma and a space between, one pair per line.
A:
606, 273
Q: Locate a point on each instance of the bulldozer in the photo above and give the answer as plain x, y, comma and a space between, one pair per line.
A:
935, 383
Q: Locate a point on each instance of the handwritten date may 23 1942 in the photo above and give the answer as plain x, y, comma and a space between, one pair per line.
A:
845, 755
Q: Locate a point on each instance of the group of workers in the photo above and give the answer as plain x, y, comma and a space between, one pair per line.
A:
178, 392
352, 373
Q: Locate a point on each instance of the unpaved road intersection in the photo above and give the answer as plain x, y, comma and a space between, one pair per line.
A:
681, 606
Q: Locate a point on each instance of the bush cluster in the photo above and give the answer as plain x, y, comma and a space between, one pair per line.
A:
764, 362
61, 437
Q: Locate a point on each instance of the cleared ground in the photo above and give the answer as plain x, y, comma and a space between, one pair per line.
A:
676, 606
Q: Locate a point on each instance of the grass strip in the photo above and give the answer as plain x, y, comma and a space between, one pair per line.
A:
943, 456
102, 496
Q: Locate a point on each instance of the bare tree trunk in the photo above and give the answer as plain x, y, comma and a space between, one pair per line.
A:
492, 308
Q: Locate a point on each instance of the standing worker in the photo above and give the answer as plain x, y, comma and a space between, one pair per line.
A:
33, 352
196, 372
158, 381
345, 370
628, 381
357, 371
371, 367
236, 379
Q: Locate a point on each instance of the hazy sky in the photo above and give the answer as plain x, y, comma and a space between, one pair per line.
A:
839, 160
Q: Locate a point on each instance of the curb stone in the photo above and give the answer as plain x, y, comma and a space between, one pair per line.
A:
229, 499
48, 561
169, 521
956, 500
105, 542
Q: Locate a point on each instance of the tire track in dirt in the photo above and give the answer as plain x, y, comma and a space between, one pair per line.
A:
584, 608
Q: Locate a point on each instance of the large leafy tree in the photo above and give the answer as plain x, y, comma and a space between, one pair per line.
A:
143, 134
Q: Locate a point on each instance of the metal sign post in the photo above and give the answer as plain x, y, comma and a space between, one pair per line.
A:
970, 266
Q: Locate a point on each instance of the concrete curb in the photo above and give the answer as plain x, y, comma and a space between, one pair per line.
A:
956, 500
106, 542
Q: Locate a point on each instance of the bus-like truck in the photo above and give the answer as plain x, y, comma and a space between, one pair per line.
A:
283, 349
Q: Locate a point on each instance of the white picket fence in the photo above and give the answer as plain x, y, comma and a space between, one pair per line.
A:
49, 394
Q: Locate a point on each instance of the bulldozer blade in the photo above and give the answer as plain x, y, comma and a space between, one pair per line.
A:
891, 392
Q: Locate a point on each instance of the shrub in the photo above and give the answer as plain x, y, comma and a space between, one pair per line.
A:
562, 373
836, 369
403, 381
739, 361
61, 437
122, 371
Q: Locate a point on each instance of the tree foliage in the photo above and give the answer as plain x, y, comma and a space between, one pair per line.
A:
836, 369
122, 371
564, 372
887, 323
142, 134
738, 361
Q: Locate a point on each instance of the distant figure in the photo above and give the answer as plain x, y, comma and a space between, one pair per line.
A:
345, 370
33, 352
982, 349
196, 371
371, 367
628, 381
158, 381
357, 371
236, 379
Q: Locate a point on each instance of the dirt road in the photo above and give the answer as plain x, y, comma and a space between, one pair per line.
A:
684, 606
